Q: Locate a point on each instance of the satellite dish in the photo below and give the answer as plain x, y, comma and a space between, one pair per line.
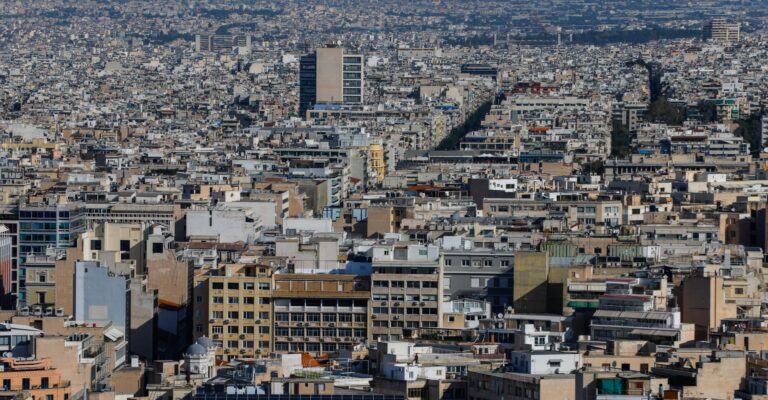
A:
499, 315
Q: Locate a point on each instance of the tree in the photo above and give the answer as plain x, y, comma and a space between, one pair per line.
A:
751, 130
619, 140
663, 111
707, 111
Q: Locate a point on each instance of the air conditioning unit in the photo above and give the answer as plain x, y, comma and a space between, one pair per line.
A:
383, 303
211, 320
289, 338
226, 321
49, 311
331, 324
373, 316
338, 339
242, 351
300, 324
396, 304
59, 312
396, 317
242, 336
423, 303
415, 303
215, 335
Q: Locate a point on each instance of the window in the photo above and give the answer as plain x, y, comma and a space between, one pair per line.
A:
218, 300
95, 244
247, 314
233, 300
248, 329
505, 263
233, 286
248, 285
25, 383
448, 262
739, 290
125, 245
217, 285
263, 285
264, 330
281, 317
248, 300
157, 248
233, 329
264, 315
233, 315
217, 329
540, 340
7, 384
217, 314
465, 263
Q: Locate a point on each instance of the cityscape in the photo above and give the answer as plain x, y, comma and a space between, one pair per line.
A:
383, 200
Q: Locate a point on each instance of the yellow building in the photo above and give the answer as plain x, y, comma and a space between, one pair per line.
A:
233, 308
376, 159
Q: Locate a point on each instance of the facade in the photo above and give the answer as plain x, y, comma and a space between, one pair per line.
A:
42, 229
211, 42
110, 303
479, 274
519, 386
330, 76
7, 265
37, 378
233, 308
406, 290
720, 30
320, 313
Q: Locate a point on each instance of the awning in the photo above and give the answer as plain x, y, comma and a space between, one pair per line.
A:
113, 333
653, 332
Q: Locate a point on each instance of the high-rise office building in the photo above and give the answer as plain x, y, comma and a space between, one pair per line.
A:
720, 30
329, 76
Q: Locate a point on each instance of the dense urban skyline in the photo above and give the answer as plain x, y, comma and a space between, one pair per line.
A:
395, 200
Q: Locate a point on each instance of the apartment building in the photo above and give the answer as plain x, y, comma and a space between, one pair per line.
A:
406, 289
320, 313
479, 273
37, 378
233, 308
